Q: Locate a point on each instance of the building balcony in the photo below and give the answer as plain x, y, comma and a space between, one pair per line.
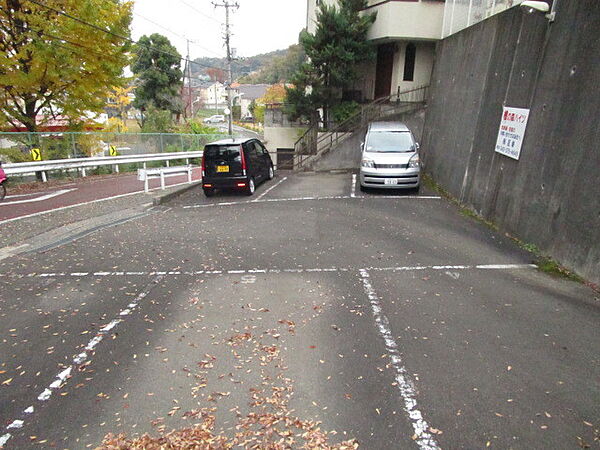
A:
415, 20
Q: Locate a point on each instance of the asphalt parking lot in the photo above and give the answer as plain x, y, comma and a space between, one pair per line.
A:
389, 319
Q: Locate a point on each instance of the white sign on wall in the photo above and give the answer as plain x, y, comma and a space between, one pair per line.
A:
512, 131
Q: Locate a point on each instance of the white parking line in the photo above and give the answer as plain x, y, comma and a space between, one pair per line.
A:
270, 189
295, 199
64, 375
41, 213
353, 188
39, 199
422, 436
257, 270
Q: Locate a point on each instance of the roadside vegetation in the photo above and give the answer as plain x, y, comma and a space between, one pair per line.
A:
335, 52
544, 262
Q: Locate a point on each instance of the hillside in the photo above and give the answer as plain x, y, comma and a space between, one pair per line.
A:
269, 68
242, 66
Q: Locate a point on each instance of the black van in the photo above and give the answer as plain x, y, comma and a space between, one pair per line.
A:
235, 164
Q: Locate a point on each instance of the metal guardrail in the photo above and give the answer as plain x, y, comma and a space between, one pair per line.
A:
59, 145
83, 163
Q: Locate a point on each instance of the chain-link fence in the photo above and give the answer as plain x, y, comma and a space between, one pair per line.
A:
459, 14
16, 147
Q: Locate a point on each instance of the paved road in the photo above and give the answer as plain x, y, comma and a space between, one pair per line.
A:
239, 131
392, 320
83, 191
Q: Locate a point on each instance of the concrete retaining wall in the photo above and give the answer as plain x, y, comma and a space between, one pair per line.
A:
551, 195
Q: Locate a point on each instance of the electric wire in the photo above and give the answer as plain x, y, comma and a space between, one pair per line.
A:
96, 27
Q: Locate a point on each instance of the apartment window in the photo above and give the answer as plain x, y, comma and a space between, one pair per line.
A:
409, 62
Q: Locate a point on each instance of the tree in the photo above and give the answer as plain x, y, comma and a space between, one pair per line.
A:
258, 111
119, 100
158, 121
216, 74
280, 69
51, 64
274, 94
157, 68
335, 51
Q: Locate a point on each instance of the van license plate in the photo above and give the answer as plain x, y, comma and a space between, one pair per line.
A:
222, 168
390, 181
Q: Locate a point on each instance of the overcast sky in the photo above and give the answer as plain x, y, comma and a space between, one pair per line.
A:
259, 26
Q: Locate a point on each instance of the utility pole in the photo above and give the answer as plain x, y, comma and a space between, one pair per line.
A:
227, 4
189, 77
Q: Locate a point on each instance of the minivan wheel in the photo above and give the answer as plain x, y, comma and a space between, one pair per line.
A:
362, 188
209, 192
271, 173
251, 187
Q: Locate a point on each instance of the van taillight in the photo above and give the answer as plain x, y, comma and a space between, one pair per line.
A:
243, 159
203, 165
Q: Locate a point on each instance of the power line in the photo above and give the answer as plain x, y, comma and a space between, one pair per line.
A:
79, 46
200, 12
175, 34
128, 39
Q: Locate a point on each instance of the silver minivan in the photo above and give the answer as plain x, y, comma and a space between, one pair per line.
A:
390, 157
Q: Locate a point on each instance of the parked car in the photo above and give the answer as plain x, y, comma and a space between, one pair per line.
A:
215, 119
390, 158
239, 164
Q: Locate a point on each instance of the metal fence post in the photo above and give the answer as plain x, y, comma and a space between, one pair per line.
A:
452, 18
73, 146
161, 143
469, 13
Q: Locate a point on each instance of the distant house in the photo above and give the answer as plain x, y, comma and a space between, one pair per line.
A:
213, 95
249, 93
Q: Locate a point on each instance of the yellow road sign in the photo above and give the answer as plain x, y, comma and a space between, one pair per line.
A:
36, 154
112, 151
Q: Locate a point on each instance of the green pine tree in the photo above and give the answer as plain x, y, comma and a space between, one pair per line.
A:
335, 52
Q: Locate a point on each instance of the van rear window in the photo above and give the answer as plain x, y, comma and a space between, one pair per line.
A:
390, 141
225, 152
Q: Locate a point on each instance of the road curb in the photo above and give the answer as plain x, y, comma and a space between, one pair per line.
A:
160, 198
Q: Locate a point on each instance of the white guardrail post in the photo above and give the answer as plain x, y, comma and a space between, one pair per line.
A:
161, 172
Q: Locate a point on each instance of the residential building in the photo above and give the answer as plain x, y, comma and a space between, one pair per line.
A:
405, 33
248, 93
213, 95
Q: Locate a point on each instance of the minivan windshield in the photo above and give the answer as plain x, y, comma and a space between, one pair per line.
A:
390, 141
224, 152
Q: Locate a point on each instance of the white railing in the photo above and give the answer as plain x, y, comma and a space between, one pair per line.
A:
460, 14
160, 172
84, 163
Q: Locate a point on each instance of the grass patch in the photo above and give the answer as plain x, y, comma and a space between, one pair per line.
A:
464, 210
548, 265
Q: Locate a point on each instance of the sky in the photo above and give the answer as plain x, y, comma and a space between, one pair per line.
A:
258, 26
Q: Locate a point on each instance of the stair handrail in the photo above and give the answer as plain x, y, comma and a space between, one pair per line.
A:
363, 113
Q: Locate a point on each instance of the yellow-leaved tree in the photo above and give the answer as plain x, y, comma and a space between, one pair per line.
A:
120, 100
60, 57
